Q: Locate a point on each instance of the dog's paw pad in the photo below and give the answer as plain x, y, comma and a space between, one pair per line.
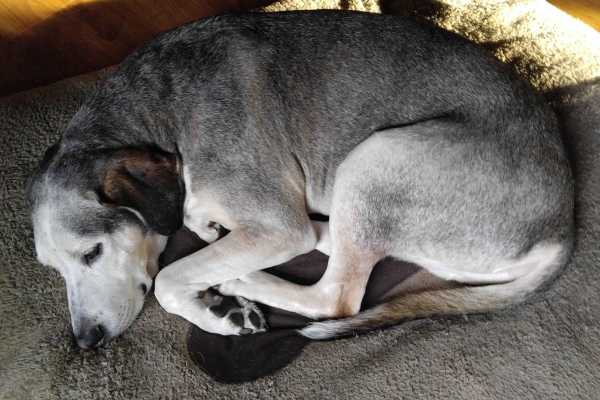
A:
237, 319
239, 311
255, 319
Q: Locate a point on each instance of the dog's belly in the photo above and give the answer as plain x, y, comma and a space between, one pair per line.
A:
499, 275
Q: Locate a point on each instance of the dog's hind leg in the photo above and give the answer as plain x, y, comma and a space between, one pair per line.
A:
543, 262
338, 293
431, 194
353, 253
352, 238
460, 212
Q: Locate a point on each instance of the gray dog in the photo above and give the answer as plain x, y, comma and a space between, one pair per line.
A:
415, 143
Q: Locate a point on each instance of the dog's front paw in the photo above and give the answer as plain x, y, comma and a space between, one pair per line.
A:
243, 315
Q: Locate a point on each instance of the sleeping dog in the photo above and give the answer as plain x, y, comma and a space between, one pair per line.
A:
415, 143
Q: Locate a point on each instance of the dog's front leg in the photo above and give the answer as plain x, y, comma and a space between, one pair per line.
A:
337, 294
183, 288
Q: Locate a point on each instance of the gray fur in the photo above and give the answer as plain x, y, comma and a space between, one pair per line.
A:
262, 109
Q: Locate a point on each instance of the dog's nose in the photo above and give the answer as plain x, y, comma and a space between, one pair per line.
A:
91, 338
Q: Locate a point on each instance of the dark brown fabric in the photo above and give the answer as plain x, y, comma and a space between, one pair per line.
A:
233, 359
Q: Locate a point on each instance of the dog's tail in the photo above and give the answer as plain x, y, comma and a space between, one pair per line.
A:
543, 263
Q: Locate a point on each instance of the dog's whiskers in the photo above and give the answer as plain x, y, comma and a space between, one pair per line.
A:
124, 317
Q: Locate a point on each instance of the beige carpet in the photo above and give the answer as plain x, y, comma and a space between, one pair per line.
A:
549, 349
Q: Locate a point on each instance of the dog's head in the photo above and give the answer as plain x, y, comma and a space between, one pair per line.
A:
101, 218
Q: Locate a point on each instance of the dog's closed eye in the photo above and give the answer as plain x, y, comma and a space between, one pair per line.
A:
92, 255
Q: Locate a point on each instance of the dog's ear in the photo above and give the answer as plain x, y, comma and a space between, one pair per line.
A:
147, 180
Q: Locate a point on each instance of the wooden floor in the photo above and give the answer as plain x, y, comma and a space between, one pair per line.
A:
42, 41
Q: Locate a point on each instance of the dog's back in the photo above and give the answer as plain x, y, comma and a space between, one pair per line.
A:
313, 87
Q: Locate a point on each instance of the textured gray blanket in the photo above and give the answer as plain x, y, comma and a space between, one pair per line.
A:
548, 349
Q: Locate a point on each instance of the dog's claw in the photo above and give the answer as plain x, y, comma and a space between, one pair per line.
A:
238, 310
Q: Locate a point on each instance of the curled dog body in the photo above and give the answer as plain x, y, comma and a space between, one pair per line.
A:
415, 143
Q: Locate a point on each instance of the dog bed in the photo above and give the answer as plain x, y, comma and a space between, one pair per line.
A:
548, 349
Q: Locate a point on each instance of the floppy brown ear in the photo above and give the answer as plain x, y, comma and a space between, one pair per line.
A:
148, 181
